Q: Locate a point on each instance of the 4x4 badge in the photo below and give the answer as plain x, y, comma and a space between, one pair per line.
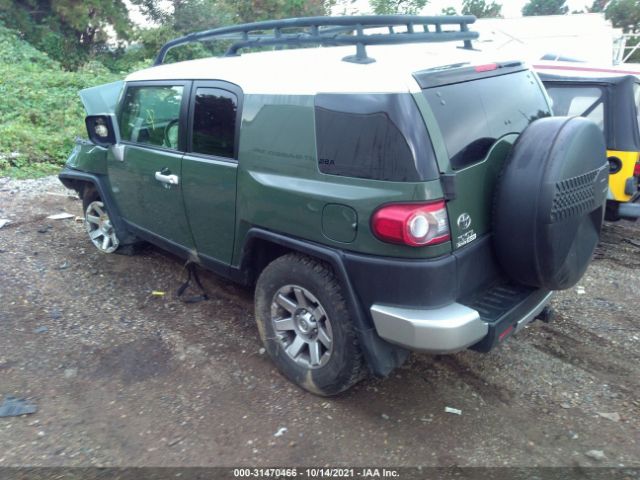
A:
464, 221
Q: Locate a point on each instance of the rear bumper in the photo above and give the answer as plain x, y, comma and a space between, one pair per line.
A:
454, 327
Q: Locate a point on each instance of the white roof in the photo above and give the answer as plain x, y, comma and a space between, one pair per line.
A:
307, 71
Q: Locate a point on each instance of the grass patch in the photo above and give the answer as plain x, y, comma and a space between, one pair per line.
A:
40, 109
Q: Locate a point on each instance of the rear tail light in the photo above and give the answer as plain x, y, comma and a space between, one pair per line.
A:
413, 224
636, 170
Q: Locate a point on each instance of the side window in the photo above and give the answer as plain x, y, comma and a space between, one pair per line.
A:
586, 102
150, 115
374, 136
214, 122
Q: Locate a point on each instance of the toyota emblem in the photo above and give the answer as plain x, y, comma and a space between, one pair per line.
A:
464, 221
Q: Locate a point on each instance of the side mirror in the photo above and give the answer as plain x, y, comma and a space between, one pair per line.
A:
100, 129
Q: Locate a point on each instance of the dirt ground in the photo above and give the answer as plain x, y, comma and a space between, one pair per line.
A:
124, 378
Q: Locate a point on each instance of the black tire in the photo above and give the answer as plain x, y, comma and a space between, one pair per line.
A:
611, 213
549, 203
89, 196
345, 365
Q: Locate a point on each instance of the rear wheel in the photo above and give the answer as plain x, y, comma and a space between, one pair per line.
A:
305, 326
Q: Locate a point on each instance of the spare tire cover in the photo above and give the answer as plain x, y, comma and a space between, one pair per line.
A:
549, 203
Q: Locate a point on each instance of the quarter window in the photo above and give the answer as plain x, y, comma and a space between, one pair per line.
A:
214, 122
150, 115
374, 136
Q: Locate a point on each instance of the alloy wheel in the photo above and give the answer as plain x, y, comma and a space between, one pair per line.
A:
302, 326
99, 227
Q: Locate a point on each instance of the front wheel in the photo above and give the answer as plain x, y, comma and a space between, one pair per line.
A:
97, 223
305, 325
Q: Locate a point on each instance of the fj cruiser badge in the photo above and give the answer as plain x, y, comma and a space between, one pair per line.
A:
464, 221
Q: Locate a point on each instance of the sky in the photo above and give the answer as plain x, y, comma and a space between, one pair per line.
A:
510, 8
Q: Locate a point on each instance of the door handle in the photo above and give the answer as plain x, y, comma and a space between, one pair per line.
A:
168, 179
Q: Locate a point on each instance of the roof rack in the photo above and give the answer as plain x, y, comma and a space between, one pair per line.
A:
334, 31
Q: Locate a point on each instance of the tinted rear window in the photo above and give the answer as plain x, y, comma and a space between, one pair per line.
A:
375, 136
214, 122
473, 115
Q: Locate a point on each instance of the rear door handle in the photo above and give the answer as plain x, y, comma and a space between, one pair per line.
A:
168, 179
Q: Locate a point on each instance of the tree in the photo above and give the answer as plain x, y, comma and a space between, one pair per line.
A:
449, 11
180, 17
481, 9
390, 7
69, 31
624, 14
545, 7
597, 6
255, 10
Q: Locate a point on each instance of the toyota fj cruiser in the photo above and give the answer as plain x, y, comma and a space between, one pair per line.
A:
402, 195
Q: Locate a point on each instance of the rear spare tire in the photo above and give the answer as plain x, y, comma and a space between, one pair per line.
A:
550, 202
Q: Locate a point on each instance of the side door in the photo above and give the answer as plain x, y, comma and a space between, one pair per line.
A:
145, 167
209, 168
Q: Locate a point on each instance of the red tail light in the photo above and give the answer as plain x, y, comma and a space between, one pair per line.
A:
413, 224
636, 170
487, 68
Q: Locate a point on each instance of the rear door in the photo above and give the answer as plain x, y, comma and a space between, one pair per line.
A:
145, 167
478, 114
209, 168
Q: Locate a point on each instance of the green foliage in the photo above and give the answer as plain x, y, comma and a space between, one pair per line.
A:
545, 7
624, 14
183, 17
449, 11
254, 10
40, 108
481, 8
390, 7
69, 31
597, 6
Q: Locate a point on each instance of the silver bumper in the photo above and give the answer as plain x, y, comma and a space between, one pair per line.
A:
442, 330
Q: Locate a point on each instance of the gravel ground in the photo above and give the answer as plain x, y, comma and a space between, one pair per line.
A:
125, 378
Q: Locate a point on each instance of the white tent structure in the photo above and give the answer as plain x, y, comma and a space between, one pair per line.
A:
585, 37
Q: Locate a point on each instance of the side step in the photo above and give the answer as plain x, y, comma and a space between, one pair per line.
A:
506, 309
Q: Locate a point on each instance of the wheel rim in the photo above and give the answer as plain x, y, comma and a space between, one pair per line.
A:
302, 326
99, 227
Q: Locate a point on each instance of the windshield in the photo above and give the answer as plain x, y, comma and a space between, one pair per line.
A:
101, 100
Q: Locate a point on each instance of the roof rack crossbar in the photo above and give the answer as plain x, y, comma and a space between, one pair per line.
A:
334, 31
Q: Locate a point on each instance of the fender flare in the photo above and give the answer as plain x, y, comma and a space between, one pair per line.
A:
70, 178
381, 356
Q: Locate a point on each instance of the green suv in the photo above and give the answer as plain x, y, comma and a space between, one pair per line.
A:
394, 192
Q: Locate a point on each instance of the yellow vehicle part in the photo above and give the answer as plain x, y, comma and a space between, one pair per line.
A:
618, 180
